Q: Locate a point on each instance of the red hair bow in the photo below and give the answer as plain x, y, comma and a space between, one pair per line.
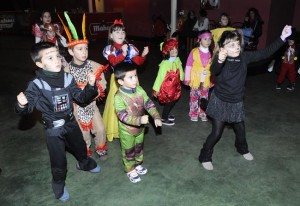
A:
118, 22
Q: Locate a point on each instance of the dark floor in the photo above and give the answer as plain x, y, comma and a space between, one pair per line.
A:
175, 176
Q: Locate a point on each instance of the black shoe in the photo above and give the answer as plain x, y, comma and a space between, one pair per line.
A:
278, 86
167, 122
291, 87
171, 118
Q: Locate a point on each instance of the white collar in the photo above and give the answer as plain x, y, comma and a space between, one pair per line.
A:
203, 49
171, 59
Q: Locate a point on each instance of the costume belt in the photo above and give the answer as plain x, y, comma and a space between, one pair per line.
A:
59, 122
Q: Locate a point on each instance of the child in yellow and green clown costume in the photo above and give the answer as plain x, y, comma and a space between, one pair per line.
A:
198, 76
117, 51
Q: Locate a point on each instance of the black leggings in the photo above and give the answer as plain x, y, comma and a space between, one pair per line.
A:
216, 134
167, 109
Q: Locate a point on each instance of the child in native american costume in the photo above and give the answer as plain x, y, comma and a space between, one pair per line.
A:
88, 116
167, 86
117, 51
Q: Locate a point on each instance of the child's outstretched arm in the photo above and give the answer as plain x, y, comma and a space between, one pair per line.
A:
254, 56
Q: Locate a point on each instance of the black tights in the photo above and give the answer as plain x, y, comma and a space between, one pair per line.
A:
167, 109
216, 134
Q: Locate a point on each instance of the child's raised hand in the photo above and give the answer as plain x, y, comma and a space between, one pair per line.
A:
124, 49
222, 55
287, 31
91, 78
145, 51
22, 100
157, 122
145, 119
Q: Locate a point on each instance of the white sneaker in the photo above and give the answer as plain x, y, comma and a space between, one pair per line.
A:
141, 170
203, 118
208, 165
133, 176
194, 119
248, 156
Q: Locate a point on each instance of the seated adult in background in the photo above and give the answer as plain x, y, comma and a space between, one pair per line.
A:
202, 22
252, 29
223, 25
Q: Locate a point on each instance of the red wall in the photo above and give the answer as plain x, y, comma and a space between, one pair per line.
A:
137, 13
296, 20
277, 22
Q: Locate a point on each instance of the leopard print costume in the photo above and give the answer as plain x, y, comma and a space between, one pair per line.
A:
80, 72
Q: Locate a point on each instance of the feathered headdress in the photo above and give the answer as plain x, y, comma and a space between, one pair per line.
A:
73, 36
